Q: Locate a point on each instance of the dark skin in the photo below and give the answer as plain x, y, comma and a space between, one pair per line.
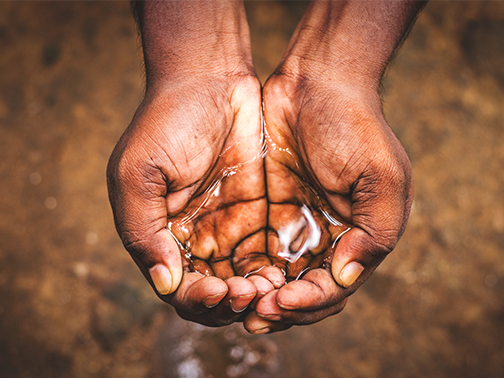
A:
202, 115
198, 117
323, 104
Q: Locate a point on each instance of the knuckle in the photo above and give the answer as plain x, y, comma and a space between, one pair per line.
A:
382, 242
139, 243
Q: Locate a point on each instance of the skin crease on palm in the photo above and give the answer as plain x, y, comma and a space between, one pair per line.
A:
189, 152
214, 181
257, 189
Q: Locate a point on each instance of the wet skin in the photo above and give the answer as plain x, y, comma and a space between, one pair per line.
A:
229, 231
232, 230
341, 145
200, 205
179, 142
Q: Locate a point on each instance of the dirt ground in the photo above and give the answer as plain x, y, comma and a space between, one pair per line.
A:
73, 304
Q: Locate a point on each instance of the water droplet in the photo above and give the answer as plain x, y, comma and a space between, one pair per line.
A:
81, 269
236, 353
51, 203
92, 238
35, 178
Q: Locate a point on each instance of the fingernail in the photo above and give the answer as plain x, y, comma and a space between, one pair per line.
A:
239, 304
350, 273
213, 300
261, 331
162, 278
272, 317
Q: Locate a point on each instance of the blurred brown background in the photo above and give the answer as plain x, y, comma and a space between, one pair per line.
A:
73, 304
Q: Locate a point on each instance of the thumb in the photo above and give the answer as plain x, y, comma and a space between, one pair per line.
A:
151, 245
160, 256
140, 214
142, 228
356, 256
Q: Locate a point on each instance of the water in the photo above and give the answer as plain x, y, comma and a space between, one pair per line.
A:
237, 225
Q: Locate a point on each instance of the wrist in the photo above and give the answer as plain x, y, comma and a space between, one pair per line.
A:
187, 39
348, 40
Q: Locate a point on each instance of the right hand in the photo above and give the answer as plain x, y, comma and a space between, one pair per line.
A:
182, 138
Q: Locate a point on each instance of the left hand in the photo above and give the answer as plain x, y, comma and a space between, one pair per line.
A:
333, 138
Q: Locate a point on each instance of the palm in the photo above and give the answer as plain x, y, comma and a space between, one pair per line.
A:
188, 176
329, 151
221, 229
302, 217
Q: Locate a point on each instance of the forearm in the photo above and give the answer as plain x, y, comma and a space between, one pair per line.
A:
349, 39
187, 38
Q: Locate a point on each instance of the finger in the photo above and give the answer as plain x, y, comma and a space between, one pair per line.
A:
161, 257
257, 326
311, 317
268, 309
154, 250
197, 294
263, 287
273, 274
356, 256
137, 193
211, 301
381, 202
314, 291
241, 293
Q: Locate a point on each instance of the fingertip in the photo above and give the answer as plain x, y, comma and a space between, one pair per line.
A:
255, 325
347, 264
299, 295
240, 286
267, 306
348, 274
162, 254
241, 293
317, 289
212, 287
197, 291
272, 274
288, 297
263, 285
162, 279
213, 300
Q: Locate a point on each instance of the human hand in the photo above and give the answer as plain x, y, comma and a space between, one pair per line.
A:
327, 132
191, 160
335, 140
151, 238
188, 174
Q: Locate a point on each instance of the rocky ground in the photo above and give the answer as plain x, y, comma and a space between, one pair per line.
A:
72, 303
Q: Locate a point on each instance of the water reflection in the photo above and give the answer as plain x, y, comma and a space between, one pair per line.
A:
189, 350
